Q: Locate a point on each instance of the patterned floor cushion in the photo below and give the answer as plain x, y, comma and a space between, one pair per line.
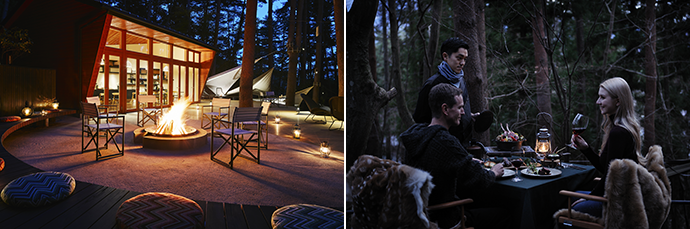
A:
2, 164
10, 118
159, 210
38, 189
307, 216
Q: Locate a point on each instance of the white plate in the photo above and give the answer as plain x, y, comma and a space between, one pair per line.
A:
506, 172
528, 172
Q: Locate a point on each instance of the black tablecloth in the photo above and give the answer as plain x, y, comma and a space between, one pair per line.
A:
532, 202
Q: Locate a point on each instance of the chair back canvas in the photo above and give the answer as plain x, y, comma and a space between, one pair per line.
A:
246, 114
310, 102
220, 102
89, 109
146, 98
265, 106
94, 100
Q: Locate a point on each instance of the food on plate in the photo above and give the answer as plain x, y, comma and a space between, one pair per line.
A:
544, 171
509, 136
489, 164
506, 162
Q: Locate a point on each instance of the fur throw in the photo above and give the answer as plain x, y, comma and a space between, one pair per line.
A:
387, 194
638, 197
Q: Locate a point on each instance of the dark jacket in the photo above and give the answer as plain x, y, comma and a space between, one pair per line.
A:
433, 149
422, 113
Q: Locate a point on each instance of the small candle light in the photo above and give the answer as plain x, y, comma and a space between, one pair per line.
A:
277, 119
297, 131
56, 104
543, 145
325, 149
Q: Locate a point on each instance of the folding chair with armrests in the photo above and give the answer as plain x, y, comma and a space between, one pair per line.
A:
103, 110
315, 109
148, 113
90, 114
337, 104
235, 134
217, 106
262, 124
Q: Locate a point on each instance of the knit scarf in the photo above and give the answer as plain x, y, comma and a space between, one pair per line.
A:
447, 71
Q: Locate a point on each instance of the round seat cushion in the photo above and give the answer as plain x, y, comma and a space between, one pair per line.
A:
2, 164
38, 189
10, 118
307, 216
159, 210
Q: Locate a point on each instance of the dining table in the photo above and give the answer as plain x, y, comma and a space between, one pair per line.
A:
531, 203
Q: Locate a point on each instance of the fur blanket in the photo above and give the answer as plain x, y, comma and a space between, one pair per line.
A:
638, 197
387, 194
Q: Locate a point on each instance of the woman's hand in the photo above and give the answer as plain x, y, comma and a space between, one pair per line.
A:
498, 169
579, 142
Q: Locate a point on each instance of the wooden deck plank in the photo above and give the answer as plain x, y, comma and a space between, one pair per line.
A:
26, 215
61, 219
255, 219
235, 216
99, 210
215, 215
105, 221
69, 206
268, 212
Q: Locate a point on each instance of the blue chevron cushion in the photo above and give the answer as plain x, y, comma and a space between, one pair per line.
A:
38, 189
307, 216
159, 210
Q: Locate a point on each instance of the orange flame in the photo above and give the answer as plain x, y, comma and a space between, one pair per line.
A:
173, 122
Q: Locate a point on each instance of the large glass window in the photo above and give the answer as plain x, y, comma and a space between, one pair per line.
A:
179, 53
183, 81
176, 82
113, 83
161, 49
143, 78
196, 84
131, 83
137, 43
114, 39
165, 82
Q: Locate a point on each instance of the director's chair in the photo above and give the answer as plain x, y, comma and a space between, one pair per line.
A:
148, 113
90, 114
261, 124
104, 110
235, 135
217, 105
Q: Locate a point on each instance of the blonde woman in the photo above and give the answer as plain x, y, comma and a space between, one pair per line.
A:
621, 137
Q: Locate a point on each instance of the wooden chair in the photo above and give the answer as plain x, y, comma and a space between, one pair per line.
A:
148, 113
90, 114
235, 136
315, 109
636, 186
217, 106
337, 104
262, 124
372, 181
103, 110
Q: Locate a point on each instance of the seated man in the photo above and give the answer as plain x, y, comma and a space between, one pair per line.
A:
432, 148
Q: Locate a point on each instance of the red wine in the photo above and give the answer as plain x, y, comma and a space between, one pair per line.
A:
516, 163
578, 131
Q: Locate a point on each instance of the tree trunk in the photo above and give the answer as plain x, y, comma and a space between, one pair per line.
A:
650, 72
436, 14
340, 43
607, 50
386, 76
292, 53
318, 70
365, 97
269, 25
481, 37
404, 113
466, 25
541, 66
300, 41
248, 56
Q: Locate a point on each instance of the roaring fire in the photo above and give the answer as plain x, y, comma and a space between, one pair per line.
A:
173, 122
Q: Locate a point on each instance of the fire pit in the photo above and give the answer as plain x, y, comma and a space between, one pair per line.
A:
171, 133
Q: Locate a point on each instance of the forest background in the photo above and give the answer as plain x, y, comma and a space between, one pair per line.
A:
525, 57
221, 24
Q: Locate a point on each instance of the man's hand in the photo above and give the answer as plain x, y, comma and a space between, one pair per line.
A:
475, 114
498, 169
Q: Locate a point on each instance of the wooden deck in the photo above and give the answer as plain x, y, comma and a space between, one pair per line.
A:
94, 206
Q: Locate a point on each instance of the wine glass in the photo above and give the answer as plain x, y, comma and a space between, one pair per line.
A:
580, 123
516, 163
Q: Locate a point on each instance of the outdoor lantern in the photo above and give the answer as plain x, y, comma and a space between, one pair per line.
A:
325, 149
297, 131
543, 145
55, 104
277, 119
27, 111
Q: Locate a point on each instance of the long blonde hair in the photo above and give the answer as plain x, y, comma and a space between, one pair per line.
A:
625, 113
